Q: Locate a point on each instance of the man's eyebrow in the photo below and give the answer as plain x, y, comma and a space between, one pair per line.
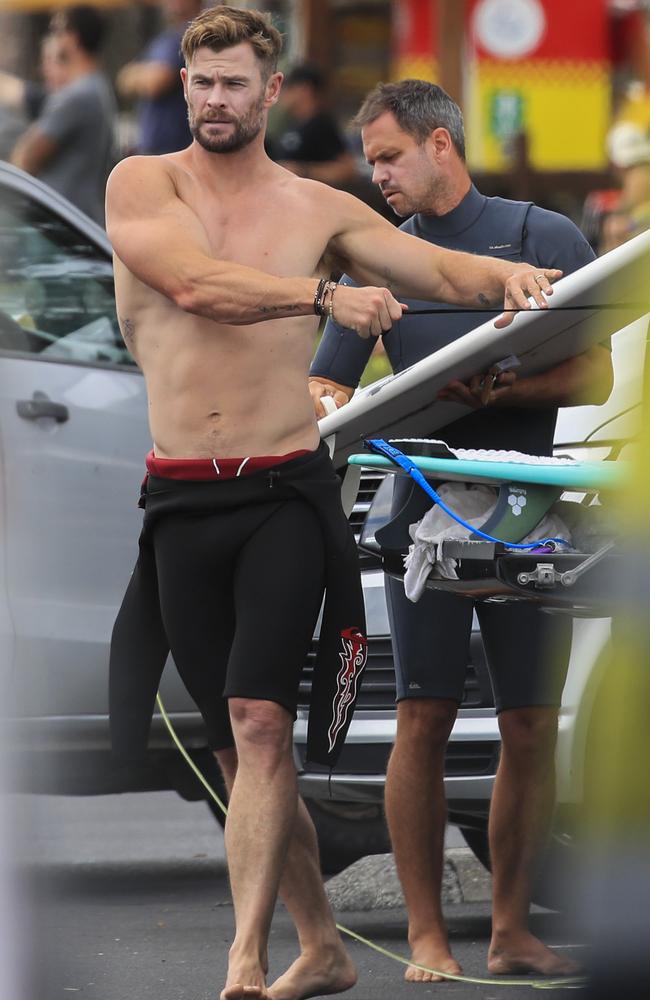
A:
382, 154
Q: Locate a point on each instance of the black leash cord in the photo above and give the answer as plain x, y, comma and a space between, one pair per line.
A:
645, 306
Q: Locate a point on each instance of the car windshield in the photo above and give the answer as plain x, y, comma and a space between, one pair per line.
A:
57, 297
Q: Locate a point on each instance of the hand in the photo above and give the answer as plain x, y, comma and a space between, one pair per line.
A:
526, 282
480, 391
369, 311
318, 390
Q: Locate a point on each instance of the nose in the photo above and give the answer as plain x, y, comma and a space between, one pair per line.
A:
379, 174
217, 98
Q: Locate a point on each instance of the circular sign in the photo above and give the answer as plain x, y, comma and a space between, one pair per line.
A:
509, 29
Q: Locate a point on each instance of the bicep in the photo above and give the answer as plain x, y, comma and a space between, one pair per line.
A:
153, 232
374, 252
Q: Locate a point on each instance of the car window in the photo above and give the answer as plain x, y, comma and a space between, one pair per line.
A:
57, 298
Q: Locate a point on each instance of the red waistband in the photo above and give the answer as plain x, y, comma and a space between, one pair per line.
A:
212, 468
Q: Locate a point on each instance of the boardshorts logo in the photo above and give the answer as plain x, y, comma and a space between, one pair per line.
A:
353, 660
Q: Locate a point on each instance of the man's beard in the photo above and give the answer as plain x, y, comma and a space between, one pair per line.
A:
244, 130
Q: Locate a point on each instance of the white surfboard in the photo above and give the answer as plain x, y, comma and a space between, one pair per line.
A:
404, 405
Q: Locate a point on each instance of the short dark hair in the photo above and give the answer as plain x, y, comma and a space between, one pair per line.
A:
306, 73
83, 21
419, 107
223, 27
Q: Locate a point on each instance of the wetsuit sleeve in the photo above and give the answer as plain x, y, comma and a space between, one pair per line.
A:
342, 354
552, 240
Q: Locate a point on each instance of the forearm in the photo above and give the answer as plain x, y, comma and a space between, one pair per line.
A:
32, 151
145, 79
584, 380
238, 295
468, 279
417, 269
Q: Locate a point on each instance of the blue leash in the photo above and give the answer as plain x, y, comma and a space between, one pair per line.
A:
397, 457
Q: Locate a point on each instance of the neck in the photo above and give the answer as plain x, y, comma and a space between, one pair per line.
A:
234, 171
448, 194
82, 66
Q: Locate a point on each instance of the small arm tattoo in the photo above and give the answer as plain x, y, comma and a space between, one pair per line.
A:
483, 299
281, 308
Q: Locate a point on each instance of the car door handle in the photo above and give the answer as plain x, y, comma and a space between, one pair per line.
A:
40, 405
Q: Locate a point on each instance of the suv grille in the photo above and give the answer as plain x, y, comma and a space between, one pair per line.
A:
367, 488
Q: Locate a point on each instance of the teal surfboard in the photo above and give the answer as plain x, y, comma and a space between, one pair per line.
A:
576, 476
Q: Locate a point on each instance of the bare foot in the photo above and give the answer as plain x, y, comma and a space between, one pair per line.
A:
525, 953
238, 975
316, 974
434, 954
239, 992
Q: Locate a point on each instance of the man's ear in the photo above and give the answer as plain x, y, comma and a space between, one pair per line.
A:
440, 143
272, 89
184, 80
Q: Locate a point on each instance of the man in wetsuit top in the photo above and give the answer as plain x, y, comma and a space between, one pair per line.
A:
414, 139
221, 266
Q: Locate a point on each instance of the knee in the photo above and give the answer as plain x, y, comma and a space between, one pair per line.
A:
529, 734
227, 761
425, 723
261, 726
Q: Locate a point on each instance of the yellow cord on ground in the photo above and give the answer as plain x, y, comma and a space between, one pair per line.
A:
573, 982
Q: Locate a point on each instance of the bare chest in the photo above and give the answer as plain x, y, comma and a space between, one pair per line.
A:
275, 235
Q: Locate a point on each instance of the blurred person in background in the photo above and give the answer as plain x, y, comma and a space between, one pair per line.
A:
613, 216
312, 145
154, 80
28, 96
629, 151
70, 145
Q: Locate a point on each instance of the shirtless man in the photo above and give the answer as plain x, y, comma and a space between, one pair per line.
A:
218, 252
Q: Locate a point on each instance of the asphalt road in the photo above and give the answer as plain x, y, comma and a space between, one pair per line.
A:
129, 899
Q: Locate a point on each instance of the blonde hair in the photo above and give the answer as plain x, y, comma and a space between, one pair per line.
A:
223, 27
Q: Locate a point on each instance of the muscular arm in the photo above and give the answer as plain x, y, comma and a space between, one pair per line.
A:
163, 243
372, 251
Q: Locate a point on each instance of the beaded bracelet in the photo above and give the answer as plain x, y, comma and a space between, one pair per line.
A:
323, 297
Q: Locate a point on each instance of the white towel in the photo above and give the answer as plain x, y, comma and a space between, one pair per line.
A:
474, 503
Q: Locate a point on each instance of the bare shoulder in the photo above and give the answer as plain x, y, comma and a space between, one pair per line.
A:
140, 184
136, 168
340, 208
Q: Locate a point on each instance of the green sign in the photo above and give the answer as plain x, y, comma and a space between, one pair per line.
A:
506, 113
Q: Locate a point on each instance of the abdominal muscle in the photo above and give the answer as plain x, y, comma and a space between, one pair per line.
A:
223, 391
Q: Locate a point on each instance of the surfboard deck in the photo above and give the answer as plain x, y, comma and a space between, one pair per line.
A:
405, 404
577, 476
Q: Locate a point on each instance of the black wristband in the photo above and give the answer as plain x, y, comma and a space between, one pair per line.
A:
318, 297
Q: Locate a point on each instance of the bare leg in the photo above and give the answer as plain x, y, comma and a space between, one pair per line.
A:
416, 811
520, 817
261, 818
323, 966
